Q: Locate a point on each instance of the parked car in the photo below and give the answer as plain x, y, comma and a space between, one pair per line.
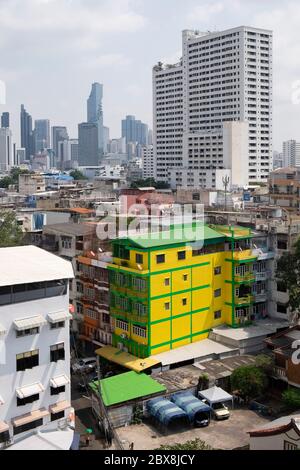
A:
85, 365
219, 410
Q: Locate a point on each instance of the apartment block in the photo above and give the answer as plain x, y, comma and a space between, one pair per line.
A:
284, 188
170, 289
35, 394
223, 77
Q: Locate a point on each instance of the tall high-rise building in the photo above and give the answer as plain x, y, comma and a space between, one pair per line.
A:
148, 161
6, 149
88, 150
95, 113
41, 134
105, 139
27, 139
59, 133
222, 76
5, 119
291, 153
134, 130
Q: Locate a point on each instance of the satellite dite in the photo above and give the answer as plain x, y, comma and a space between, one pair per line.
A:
2, 92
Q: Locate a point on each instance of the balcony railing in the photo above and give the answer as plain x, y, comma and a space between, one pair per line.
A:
260, 297
280, 372
247, 277
247, 299
262, 276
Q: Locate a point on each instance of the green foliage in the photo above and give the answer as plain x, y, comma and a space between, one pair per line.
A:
77, 175
203, 381
197, 444
13, 177
288, 274
149, 182
291, 398
250, 381
10, 232
264, 362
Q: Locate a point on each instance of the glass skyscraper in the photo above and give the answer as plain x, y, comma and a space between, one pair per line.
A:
95, 113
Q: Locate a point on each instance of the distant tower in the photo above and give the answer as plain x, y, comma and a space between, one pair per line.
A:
27, 140
5, 120
95, 113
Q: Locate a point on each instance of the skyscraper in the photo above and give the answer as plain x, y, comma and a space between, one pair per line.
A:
134, 130
95, 113
59, 134
88, 150
5, 120
291, 153
27, 140
6, 149
41, 134
223, 76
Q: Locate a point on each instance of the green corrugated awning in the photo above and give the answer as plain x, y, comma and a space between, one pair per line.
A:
125, 387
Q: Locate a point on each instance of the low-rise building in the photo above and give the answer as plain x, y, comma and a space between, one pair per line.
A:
281, 434
35, 389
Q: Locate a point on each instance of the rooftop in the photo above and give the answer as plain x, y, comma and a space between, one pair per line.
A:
31, 264
70, 228
128, 386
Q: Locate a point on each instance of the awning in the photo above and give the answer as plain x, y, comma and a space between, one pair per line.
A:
30, 322
125, 359
3, 426
215, 395
59, 316
1, 400
2, 330
29, 390
59, 406
29, 417
59, 381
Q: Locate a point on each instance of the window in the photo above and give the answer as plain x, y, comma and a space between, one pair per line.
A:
27, 360
66, 242
281, 308
181, 255
57, 390
123, 325
289, 446
139, 284
59, 324
184, 301
160, 259
28, 426
140, 308
281, 287
30, 331
59, 415
27, 400
217, 270
4, 437
218, 293
185, 277
139, 331
167, 281
167, 306
218, 314
57, 352
139, 258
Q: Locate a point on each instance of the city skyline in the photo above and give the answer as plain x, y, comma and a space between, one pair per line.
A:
110, 52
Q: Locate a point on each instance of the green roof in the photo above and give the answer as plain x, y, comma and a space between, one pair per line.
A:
125, 387
178, 234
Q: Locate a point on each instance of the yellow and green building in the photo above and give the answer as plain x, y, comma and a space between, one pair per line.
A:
169, 289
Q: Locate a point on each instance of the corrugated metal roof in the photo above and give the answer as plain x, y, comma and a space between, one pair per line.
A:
26, 264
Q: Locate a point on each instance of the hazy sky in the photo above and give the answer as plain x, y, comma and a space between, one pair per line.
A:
52, 50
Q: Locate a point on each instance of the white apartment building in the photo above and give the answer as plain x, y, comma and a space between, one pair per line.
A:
148, 161
291, 153
222, 76
35, 393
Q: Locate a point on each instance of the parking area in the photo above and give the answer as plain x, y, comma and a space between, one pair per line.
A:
227, 435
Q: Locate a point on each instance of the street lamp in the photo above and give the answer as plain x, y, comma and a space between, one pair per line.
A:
225, 181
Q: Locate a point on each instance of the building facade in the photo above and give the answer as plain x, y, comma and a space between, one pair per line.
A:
6, 149
88, 153
5, 119
35, 389
222, 76
41, 134
168, 290
148, 161
27, 139
95, 113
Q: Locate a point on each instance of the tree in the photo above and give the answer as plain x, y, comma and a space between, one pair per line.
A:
203, 382
291, 398
288, 274
10, 232
197, 444
77, 175
6, 181
149, 182
250, 381
264, 362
